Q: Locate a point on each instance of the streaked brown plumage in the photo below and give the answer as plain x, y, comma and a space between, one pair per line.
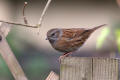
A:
69, 40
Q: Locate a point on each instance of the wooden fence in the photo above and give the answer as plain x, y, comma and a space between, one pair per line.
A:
84, 68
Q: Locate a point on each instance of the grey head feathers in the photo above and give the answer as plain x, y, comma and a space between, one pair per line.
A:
53, 35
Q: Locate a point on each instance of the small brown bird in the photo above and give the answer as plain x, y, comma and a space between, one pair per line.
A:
69, 40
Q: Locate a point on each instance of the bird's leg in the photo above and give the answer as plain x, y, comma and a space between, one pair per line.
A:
67, 54
64, 55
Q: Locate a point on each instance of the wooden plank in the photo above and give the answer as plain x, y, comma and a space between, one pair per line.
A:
8, 56
52, 76
76, 69
105, 69
84, 68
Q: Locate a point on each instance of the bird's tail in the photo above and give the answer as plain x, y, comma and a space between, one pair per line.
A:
95, 28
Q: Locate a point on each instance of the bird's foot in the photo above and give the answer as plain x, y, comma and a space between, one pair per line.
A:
61, 57
64, 55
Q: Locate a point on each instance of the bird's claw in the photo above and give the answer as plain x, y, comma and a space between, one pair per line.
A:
61, 57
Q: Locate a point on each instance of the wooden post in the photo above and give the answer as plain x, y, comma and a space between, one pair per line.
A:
85, 68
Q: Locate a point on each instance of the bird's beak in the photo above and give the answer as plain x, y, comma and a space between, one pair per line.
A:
46, 39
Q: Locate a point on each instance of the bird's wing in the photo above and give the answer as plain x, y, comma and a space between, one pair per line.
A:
74, 33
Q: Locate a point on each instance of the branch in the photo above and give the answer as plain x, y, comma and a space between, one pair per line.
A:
24, 17
15, 23
43, 14
10, 59
25, 20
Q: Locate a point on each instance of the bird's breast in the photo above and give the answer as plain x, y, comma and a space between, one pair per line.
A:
66, 46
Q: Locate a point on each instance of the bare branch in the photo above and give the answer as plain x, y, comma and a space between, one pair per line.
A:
26, 25
25, 20
24, 17
43, 13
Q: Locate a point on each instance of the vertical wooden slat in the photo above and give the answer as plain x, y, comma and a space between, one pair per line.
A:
105, 69
74, 68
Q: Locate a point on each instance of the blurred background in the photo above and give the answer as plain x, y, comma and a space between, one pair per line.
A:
35, 54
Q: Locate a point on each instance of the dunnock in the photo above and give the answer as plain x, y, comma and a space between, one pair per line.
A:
69, 40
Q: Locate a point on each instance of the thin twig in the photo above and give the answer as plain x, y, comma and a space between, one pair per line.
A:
15, 23
43, 13
24, 17
25, 20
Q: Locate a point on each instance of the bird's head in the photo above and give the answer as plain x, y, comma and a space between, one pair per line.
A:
53, 35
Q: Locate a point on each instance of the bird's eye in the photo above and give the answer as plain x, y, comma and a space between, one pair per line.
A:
53, 34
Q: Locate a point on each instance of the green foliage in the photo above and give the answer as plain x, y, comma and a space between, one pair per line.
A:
117, 34
4, 71
105, 32
37, 68
14, 43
